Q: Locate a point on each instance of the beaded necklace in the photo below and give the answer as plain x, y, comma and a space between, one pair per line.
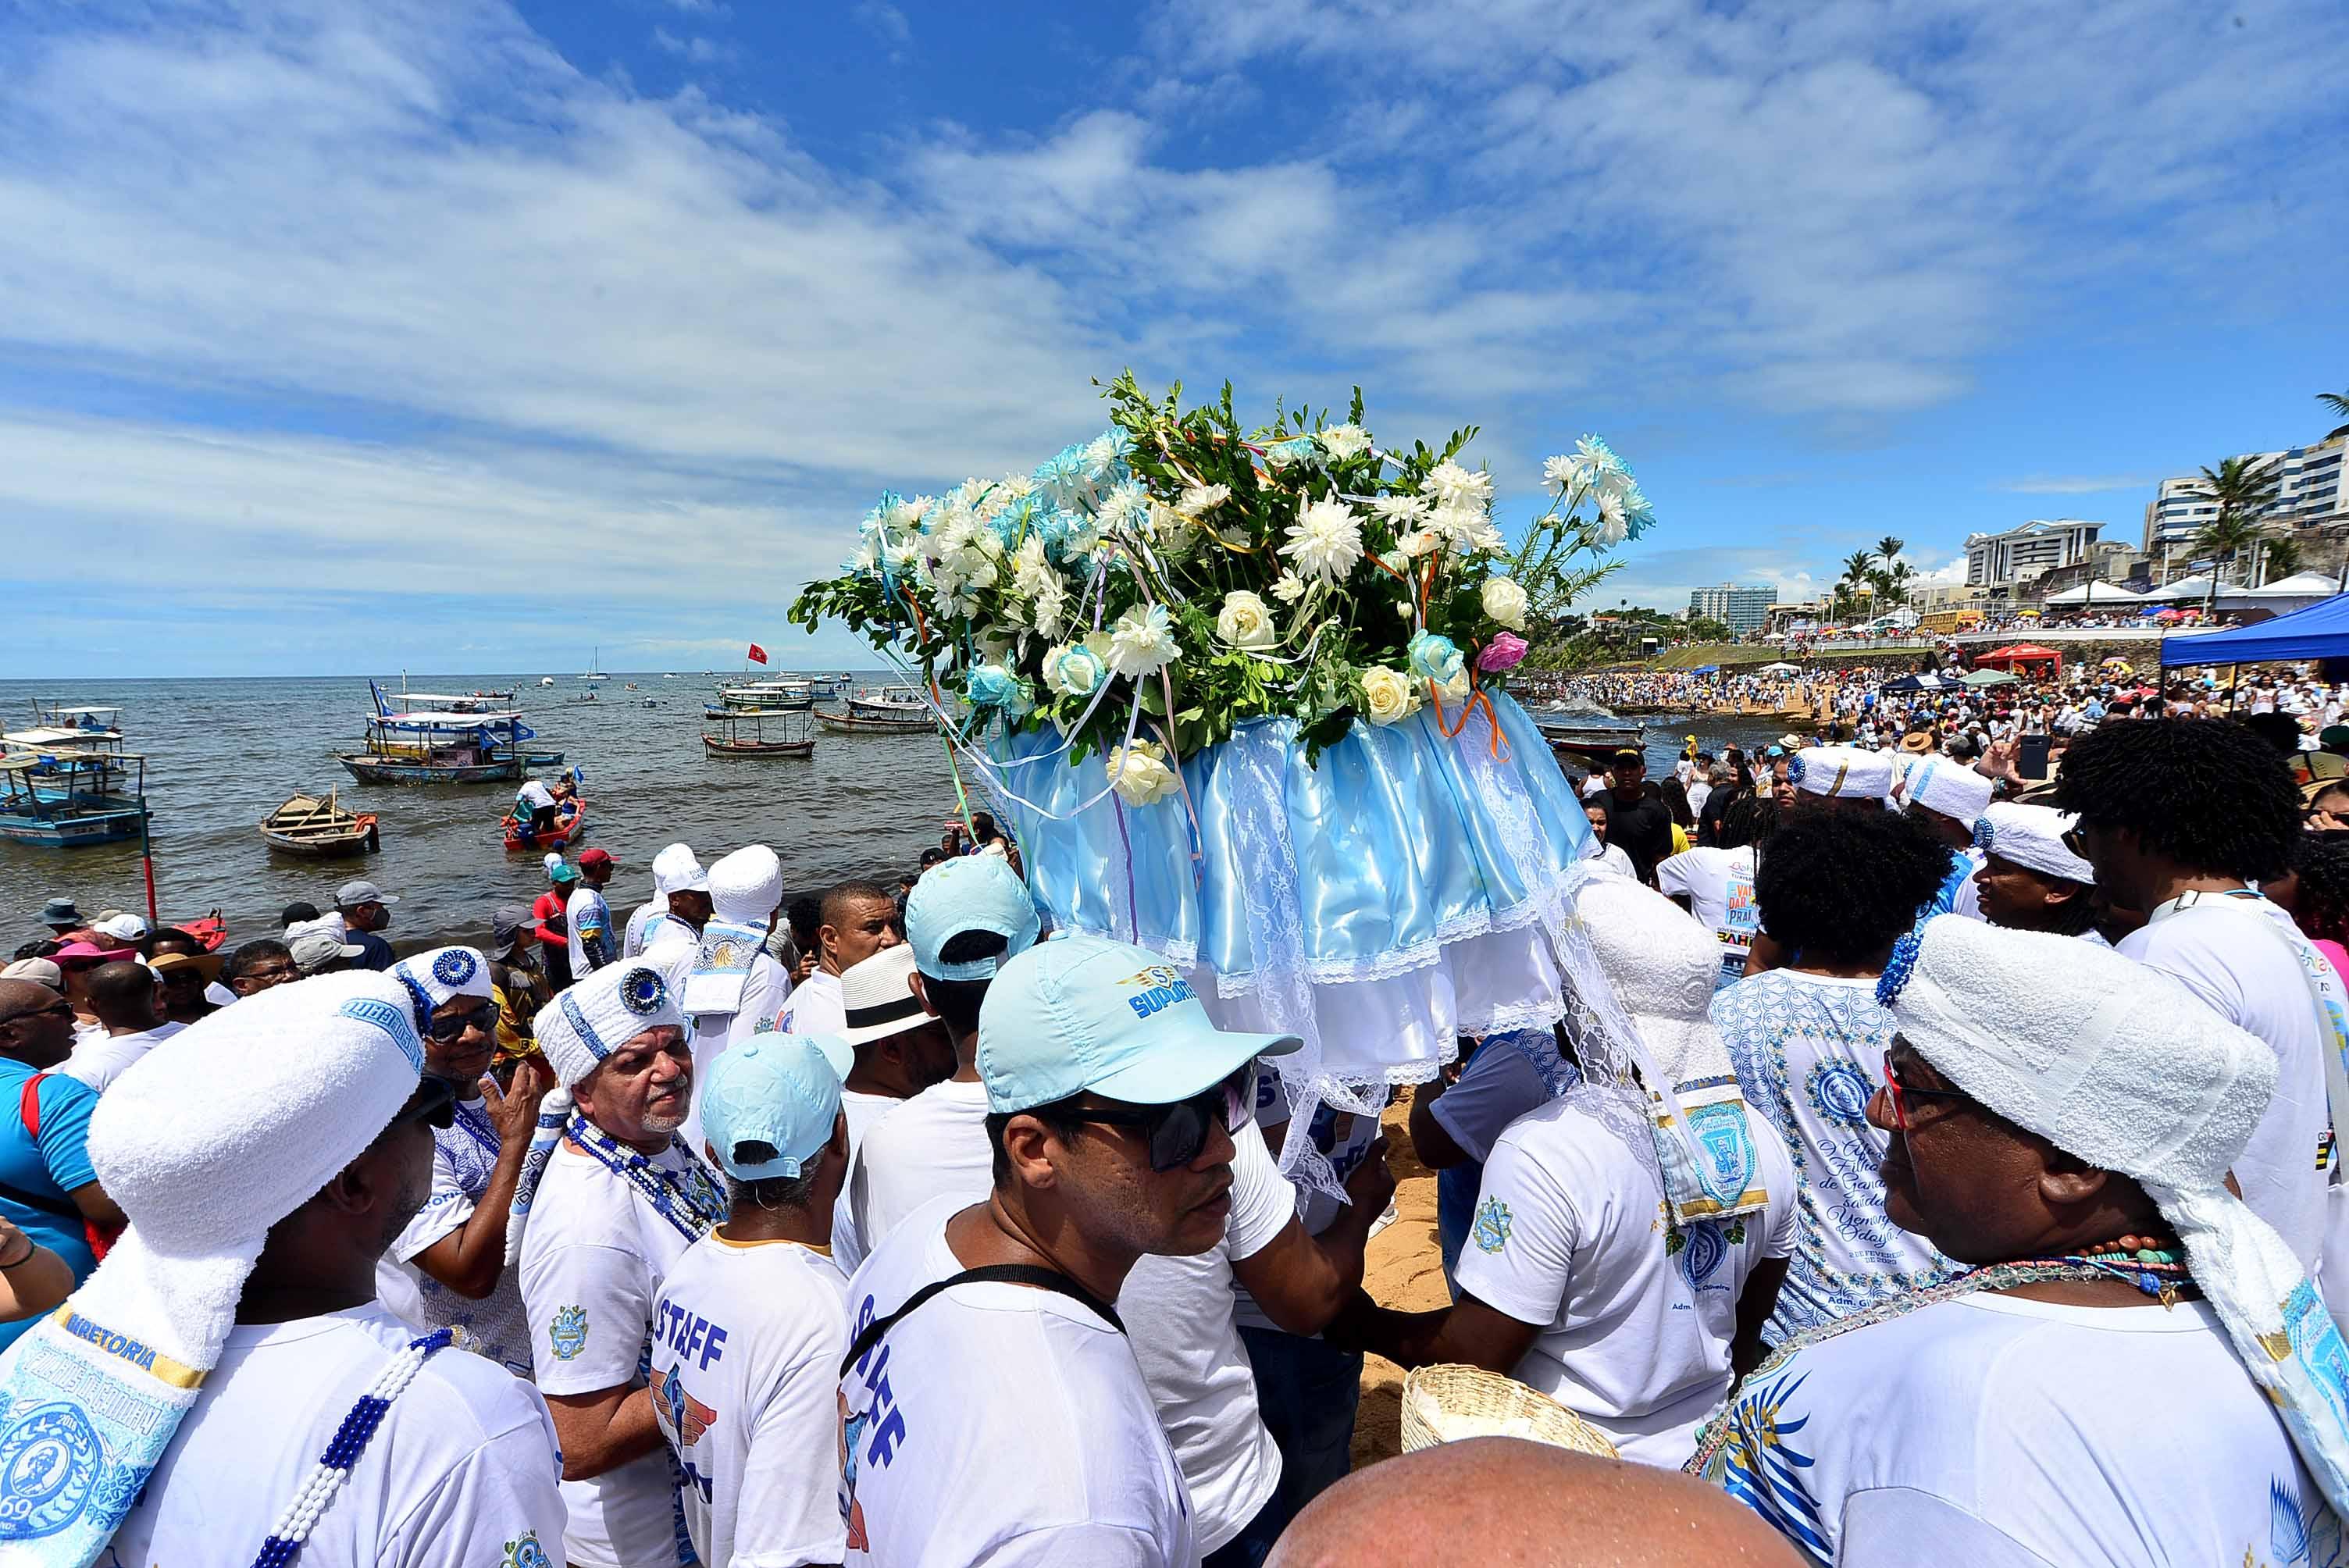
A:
692, 1200
2158, 1271
342, 1456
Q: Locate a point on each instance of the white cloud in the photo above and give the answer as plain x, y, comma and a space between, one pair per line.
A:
696, 50
1946, 576
885, 21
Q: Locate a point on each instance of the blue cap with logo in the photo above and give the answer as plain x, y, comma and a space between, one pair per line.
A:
780, 1090
974, 892
1083, 1013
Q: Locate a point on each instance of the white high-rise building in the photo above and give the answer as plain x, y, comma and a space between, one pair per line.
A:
1743, 610
2309, 493
2019, 554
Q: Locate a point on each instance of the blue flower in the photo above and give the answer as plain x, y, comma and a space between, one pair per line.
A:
992, 685
1434, 657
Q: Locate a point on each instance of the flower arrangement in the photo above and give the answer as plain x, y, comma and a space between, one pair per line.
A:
1176, 576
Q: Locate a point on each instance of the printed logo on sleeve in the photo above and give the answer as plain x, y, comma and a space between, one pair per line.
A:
1491, 1232
526, 1553
568, 1332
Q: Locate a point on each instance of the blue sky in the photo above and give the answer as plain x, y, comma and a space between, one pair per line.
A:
343, 337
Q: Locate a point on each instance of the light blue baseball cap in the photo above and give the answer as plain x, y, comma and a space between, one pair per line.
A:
1085, 1012
972, 893
781, 1090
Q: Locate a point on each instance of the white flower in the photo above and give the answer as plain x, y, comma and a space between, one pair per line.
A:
1125, 505
1245, 621
1613, 526
1140, 773
1325, 541
1405, 608
1343, 441
1453, 486
1558, 475
1143, 643
1505, 601
1420, 541
1099, 452
1201, 499
902, 555
1458, 525
1289, 588
1388, 695
1013, 486
1051, 604
1074, 669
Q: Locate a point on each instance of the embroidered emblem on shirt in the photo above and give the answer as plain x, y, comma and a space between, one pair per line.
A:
526, 1553
568, 1332
1491, 1232
49, 1466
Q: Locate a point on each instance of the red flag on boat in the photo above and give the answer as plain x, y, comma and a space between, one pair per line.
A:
757, 654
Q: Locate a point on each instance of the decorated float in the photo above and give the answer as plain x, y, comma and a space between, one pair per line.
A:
1242, 697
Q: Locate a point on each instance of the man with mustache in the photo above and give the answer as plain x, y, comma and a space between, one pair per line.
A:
610, 1198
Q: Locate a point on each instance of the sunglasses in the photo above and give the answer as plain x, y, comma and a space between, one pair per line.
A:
1176, 1132
59, 1006
2075, 839
1902, 1093
447, 1030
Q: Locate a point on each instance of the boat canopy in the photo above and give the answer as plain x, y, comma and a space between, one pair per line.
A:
430, 721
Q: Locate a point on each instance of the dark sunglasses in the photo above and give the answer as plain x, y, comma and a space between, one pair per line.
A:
1177, 1132
483, 1018
59, 1006
1902, 1093
2075, 839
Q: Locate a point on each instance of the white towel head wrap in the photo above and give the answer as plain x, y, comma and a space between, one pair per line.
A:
1841, 772
583, 1025
1942, 784
2033, 838
203, 1162
2122, 1067
746, 886
436, 979
675, 870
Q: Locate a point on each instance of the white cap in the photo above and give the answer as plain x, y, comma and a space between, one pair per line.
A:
1841, 772
2033, 838
590, 1020
1941, 784
675, 870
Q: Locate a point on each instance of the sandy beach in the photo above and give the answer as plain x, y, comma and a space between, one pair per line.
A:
1403, 1267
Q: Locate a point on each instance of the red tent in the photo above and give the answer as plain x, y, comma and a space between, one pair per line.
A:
2021, 654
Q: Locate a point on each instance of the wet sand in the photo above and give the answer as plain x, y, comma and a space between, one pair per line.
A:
1403, 1268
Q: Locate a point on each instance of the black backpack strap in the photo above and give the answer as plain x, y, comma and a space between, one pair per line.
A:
1028, 1274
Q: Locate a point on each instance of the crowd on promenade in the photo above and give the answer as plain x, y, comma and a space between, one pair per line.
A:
1975, 1202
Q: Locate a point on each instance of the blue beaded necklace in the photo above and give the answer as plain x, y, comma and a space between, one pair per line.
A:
692, 1200
343, 1450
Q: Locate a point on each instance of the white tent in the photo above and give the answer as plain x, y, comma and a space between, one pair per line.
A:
1780, 670
2185, 589
2299, 585
2111, 593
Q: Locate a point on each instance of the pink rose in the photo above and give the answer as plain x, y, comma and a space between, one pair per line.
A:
1504, 652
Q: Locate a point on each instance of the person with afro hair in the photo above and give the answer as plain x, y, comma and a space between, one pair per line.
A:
2184, 818
1836, 893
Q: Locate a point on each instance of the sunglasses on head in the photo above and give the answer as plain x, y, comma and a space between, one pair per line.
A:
483, 1018
1176, 1132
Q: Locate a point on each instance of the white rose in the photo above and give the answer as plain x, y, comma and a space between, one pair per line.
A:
1245, 621
1390, 695
1140, 773
1506, 602
1289, 588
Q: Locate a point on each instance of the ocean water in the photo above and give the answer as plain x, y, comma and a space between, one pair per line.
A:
221, 754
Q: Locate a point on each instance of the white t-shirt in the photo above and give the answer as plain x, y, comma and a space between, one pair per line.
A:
715, 1034
931, 1146
463, 1154
1178, 1313
1612, 856
746, 1341
815, 1007
1719, 885
1636, 1322
2216, 950
592, 1262
642, 922
1344, 1140
99, 1059
588, 914
1809, 1051
461, 1470
534, 796
1510, 1074
1993, 1431
998, 1424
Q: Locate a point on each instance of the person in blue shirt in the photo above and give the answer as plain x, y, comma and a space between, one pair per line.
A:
47, 1189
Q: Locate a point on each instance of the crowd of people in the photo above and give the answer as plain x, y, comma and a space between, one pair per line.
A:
1937, 1165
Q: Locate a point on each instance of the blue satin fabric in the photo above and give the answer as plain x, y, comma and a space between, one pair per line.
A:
1398, 840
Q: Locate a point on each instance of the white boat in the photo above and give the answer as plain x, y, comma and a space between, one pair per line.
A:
891, 705
456, 702
595, 668
752, 697
546, 680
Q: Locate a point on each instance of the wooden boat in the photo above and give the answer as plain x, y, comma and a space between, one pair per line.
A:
65, 800
766, 696
848, 721
894, 703
570, 823
320, 829
759, 732
439, 747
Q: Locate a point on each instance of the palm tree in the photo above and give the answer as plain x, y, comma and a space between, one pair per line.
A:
1888, 547
2339, 403
1855, 568
2281, 558
2243, 489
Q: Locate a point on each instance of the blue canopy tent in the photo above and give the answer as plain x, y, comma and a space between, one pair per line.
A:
1706, 670
1927, 680
2319, 632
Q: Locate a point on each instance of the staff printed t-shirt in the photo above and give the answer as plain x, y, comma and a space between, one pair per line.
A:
1719, 886
463, 1156
1809, 1052
1636, 1322
1179, 1313
931, 1146
998, 1424
1990, 1431
591, 1264
47, 1168
588, 917
2250, 979
462, 1469
746, 1341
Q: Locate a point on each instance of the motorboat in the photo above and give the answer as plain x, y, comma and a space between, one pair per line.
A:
64, 798
438, 745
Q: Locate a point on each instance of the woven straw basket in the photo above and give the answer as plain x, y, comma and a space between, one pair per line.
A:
1449, 1402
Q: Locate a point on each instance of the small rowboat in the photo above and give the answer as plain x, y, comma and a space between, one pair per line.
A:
719, 746
757, 732
570, 823
319, 830
847, 722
